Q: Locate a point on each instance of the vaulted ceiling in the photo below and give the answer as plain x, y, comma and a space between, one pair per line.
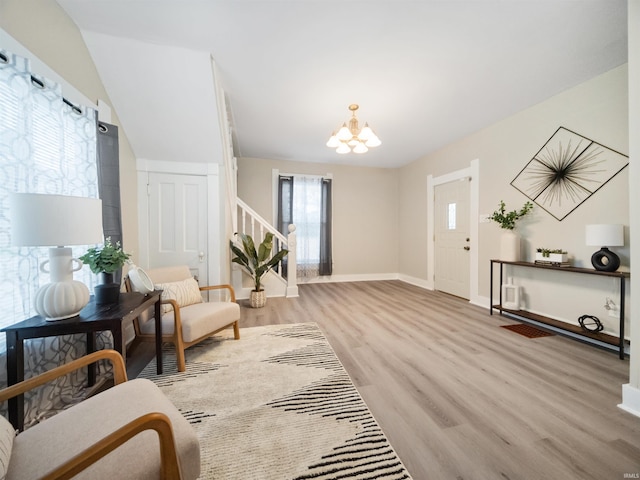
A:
425, 73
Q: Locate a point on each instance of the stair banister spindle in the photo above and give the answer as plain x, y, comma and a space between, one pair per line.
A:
244, 220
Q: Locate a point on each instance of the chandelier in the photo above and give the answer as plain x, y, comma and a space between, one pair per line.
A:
351, 139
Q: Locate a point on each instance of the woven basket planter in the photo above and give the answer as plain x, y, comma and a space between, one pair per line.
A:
257, 299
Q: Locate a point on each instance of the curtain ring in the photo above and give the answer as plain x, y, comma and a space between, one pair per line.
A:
37, 82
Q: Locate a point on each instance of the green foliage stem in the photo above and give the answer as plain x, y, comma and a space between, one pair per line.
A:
507, 220
547, 251
107, 259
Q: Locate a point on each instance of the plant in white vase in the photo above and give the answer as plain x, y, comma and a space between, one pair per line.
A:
510, 241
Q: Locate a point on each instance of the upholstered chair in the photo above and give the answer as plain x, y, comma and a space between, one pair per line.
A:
130, 431
187, 318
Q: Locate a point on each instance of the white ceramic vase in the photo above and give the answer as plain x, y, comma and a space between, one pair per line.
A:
510, 246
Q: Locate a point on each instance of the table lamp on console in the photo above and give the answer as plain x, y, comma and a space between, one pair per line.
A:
605, 236
57, 221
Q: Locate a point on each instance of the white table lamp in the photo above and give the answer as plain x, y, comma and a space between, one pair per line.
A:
39, 220
604, 236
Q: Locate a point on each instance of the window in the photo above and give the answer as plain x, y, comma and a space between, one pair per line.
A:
47, 145
451, 216
305, 201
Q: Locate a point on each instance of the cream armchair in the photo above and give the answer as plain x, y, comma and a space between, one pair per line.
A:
130, 431
186, 318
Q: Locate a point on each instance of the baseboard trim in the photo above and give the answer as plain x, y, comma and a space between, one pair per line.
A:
418, 282
630, 400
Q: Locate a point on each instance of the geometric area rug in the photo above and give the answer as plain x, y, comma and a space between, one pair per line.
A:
527, 330
276, 404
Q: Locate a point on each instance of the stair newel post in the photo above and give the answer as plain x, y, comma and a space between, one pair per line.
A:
292, 280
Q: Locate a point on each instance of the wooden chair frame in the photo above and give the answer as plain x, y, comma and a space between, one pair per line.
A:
170, 467
176, 337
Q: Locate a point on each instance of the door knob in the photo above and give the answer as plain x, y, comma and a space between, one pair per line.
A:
201, 257
467, 247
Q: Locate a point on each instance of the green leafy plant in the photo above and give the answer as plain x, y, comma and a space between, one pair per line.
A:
507, 220
546, 251
107, 259
257, 262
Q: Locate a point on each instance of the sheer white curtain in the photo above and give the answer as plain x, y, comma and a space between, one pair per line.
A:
306, 217
46, 146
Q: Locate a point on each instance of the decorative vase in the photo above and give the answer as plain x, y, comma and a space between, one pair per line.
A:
510, 246
107, 291
257, 298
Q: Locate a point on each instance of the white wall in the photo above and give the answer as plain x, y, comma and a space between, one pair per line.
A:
631, 391
365, 208
597, 109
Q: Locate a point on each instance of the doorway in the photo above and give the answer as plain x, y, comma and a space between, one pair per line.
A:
177, 226
452, 241
472, 176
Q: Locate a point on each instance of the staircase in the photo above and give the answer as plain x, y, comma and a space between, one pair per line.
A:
249, 222
240, 218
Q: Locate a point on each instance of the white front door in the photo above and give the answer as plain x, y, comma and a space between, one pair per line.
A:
178, 222
452, 238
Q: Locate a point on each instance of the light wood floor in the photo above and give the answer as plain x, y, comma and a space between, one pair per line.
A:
461, 398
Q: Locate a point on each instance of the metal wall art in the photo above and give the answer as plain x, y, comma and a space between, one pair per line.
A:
567, 170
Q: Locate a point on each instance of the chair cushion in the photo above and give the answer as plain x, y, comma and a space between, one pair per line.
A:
185, 292
197, 320
7, 434
57, 439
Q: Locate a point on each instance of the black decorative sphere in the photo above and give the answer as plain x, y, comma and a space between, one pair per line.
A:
605, 260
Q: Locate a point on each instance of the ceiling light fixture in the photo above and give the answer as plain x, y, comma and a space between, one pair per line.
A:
351, 139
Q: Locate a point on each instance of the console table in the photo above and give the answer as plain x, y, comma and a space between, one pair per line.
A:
601, 337
92, 318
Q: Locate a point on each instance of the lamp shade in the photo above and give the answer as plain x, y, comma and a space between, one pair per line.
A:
605, 235
39, 220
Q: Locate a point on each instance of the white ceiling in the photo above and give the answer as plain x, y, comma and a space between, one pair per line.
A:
425, 73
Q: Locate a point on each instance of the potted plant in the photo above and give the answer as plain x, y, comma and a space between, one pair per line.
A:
104, 262
507, 220
257, 263
551, 256
510, 241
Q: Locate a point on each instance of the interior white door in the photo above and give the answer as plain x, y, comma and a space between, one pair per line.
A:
452, 240
178, 222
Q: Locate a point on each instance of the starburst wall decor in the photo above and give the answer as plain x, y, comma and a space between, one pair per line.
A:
567, 170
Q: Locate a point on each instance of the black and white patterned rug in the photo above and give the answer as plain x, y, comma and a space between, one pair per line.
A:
276, 404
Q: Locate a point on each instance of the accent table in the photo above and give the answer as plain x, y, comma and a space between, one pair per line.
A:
92, 318
618, 341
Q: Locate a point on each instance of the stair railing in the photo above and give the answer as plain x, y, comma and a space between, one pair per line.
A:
251, 223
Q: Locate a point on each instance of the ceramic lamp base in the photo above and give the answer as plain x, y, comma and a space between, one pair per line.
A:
64, 297
605, 260
60, 300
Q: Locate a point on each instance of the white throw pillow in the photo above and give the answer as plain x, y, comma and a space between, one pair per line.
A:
7, 434
185, 292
